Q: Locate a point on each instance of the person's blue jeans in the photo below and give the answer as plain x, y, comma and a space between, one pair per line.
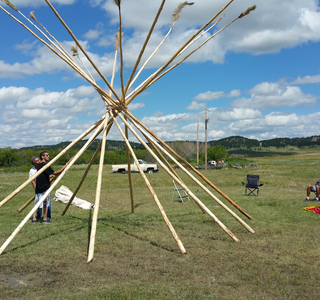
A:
47, 202
49, 211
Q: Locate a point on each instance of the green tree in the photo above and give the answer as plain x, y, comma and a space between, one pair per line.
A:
9, 157
217, 152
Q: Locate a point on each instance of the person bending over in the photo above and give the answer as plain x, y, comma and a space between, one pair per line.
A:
313, 188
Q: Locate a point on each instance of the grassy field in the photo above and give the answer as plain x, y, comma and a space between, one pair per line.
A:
136, 256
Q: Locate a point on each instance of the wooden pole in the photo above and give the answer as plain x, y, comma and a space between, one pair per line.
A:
155, 148
85, 173
246, 226
206, 146
82, 49
80, 152
26, 204
32, 198
98, 193
155, 74
65, 150
129, 172
198, 144
130, 82
163, 159
63, 54
142, 86
82, 180
24, 221
190, 166
163, 214
203, 207
183, 59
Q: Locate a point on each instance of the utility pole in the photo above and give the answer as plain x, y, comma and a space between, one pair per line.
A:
198, 145
206, 128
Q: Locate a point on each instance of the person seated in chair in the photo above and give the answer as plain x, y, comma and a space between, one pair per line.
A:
313, 188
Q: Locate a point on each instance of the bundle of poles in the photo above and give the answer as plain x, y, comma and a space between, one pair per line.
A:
117, 109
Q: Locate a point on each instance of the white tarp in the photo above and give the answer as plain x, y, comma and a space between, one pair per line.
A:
63, 195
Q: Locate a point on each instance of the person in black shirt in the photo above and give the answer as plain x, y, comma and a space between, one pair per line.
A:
43, 184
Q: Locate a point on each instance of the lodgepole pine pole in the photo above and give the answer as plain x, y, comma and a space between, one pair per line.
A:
203, 207
82, 49
129, 172
155, 74
118, 3
175, 17
191, 167
129, 82
65, 57
63, 54
154, 146
86, 171
82, 179
24, 221
68, 166
65, 150
98, 193
33, 197
246, 226
196, 49
26, 204
163, 214
144, 85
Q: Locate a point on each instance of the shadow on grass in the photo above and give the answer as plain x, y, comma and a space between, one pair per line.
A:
42, 238
89, 229
103, 222
135, 236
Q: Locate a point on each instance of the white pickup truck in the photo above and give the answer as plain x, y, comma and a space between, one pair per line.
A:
149, 168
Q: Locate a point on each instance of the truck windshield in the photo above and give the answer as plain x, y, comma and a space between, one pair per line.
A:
142, 162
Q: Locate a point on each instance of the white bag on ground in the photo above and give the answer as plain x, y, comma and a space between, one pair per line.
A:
63, 195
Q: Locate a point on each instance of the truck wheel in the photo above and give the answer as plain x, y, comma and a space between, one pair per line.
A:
150, 171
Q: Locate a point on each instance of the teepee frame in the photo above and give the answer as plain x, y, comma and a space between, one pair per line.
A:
117, 108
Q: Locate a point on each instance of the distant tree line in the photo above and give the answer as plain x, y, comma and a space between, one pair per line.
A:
116, 150
21, 158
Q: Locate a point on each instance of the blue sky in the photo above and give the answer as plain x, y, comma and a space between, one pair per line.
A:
259, 78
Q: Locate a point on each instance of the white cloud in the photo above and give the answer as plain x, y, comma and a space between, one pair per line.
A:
92, 34
12, 94
37, 3
134, 106
273, 95
230, 114
306, 80
272, 26
277, 125
34, 112
58, 123
158, 114
277, 25
216, 95
45, 61
196, 105
216, 134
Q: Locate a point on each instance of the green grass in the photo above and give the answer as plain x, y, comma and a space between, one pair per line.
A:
136, 256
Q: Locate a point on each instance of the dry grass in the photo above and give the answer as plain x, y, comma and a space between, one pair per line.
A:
136, 257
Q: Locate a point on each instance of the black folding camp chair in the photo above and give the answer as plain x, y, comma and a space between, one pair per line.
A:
252, 185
